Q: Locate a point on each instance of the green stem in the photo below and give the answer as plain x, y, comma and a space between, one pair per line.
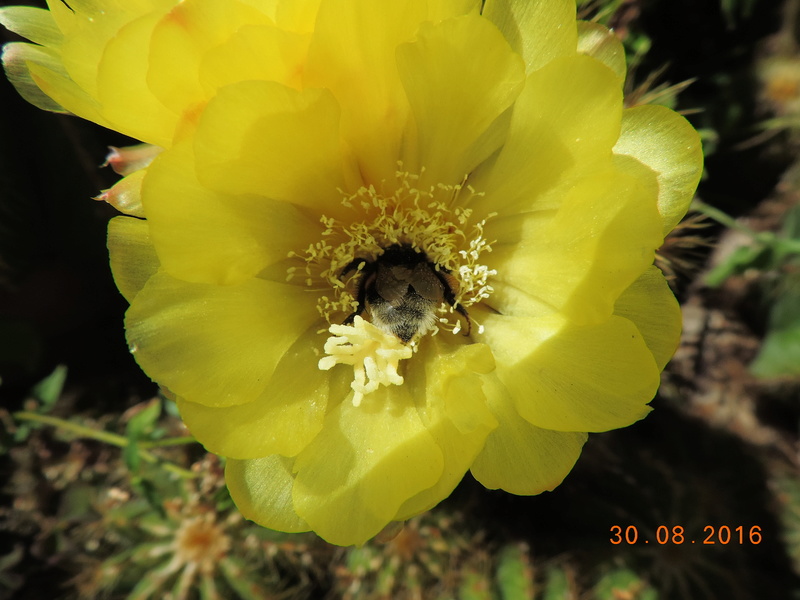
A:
114, 439
175, 441
782, 245
723, 218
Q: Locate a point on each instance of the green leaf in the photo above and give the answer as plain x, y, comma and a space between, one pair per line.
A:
130, 454
756, 256
142, 423
48, 390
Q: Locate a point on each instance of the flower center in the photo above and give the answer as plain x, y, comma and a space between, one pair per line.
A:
408, 263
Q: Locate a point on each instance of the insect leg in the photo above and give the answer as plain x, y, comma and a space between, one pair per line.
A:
352, 266
365, 280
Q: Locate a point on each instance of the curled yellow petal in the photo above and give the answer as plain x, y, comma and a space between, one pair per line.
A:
452, 404
262, 491
539, 30
206, 236
358, 65
579, 259
260, 137
133, 258
434, 71
181, 40
601, 43
260, 52
366, 461
519, 457
217, 345
566, 120
122, 90
665, 143
569, 377
282, 419
650, 304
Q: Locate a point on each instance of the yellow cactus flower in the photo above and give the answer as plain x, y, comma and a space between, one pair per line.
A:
384, 242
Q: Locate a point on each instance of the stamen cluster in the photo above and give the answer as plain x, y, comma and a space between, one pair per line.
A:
432, 221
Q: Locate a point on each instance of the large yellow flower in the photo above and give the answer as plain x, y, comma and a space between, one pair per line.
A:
385, 242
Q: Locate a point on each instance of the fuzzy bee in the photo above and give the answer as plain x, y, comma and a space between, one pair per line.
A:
402, 289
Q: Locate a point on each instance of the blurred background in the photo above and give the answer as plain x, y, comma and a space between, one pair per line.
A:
103, 496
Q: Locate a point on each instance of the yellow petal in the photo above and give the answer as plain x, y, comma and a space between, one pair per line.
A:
205, 236
85, 39
352, 54
93, 9
89, 26
508, 299
446, 380
566, 119
299, 16
262, 491
579, 259
282, 420
122, 87
519, 457
439, 10
215, 345
601, 43
452, 385
539, 30
465, 64
62, 15
133, 258
665, 143
652, 307
570, 377
366, 461
181, 40
259, 137
256, 52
